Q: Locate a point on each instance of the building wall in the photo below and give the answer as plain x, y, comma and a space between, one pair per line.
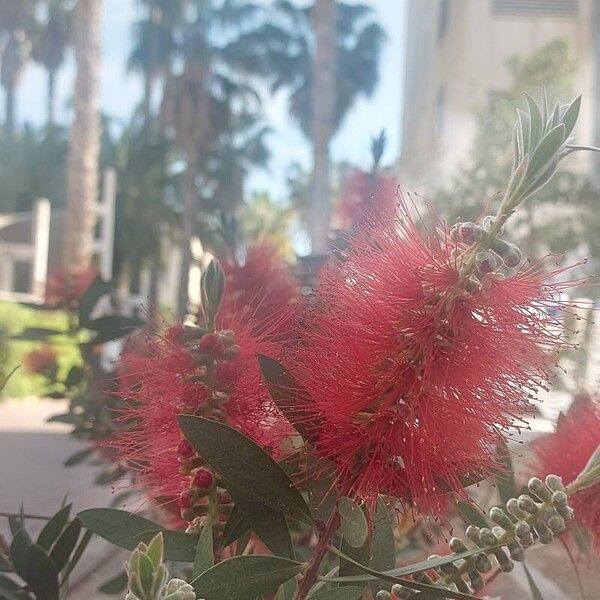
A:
456, 55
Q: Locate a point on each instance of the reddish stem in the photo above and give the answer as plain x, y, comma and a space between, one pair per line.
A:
309, 577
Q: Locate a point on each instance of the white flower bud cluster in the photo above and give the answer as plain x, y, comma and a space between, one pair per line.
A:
538, 516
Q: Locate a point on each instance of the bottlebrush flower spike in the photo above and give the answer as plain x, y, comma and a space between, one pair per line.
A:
260, 288
64, 287
567, 451
41, 360
412, 375
172, 378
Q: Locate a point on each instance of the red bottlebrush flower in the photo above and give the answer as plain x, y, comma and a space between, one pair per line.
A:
365, 193
41, 360
64, 288
567, 451
173, 379
410, 379
260, 288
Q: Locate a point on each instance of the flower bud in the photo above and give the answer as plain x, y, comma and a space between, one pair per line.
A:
527, 504
560, 499
472, 533
501, 518
475, 579
566, 512
185, 449
485, 262
401, 592
471, 233
522, 529
487, 538
544, 533
513, 508
556, 524
482, 563
177, 589
383, 595
457, 545
516, 551
505, 563
538, 487
512, 258
498, 531
555, 483
203, 479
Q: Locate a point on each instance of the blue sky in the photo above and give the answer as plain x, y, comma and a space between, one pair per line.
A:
121, 91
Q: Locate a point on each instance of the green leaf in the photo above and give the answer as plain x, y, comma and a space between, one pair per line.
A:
127, 530
115, 585
245, 577
36, 334
286, 393
40, 574
546, 150
54, 527
536, 126
90, 298
78, 457
65, 544
354, 527
571, 115
81, 547
393, 576
112, 327
471, 514
270, 525
350, 592
204, 558
212, 286
383, 548
524, 124
18, 550
9, 590
505, 480
244, 465
534, 589
235, 527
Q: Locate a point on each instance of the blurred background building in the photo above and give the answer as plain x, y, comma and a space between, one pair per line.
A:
457, 57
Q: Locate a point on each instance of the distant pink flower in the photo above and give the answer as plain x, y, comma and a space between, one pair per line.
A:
41, 360
64, 288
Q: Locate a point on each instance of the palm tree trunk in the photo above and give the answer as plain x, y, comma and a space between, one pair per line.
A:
187, 232
9, 120
84, 150
323, 110
51, 98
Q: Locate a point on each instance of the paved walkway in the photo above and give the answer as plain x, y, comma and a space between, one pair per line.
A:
32, 453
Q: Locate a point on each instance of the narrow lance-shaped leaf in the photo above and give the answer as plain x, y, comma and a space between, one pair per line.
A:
245, 577
244, 465
127, 530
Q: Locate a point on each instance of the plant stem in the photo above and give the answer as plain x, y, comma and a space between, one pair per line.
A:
309, 578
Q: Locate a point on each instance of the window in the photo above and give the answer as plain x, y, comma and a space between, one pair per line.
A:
536, 8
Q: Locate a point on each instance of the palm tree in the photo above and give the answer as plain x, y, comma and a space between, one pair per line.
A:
200, 102
16, 19
299, 58
84, 151
156, 44
14, 59
323, 111
50, 46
